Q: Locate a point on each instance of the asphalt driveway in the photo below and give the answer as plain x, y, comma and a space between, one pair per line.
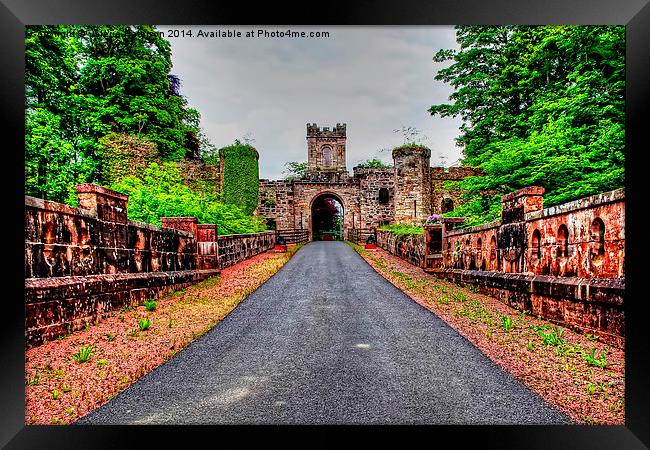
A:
328, 341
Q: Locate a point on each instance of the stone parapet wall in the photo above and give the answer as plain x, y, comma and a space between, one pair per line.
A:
60, 305
81, 263
584, 238
593, 306
234, 248
64, 241
410, 248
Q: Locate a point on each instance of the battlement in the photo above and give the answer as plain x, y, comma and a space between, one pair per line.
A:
313, 130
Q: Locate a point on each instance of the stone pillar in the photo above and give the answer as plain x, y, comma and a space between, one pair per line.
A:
512, 239
207, 247
412, 184
109, 205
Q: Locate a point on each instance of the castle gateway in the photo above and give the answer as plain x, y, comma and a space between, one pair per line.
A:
331, 204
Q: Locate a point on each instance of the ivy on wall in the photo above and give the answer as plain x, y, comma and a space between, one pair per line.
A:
125, 155
241, 181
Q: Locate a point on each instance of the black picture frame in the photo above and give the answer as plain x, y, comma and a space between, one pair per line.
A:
15, 14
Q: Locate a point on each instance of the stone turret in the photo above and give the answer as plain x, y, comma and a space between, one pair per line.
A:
412, 183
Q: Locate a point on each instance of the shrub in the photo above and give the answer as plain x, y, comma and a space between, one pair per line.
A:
144, 324
150, 305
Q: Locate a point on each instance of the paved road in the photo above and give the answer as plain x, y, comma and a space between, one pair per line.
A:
328, 341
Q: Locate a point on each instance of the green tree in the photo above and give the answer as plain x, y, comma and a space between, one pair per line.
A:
540, 105
295, 169
84, 82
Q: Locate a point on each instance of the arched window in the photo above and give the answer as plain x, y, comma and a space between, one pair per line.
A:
493, 248
479, 245
447, 205
563, 241
536, 244
327, 156
598, 239
383, 195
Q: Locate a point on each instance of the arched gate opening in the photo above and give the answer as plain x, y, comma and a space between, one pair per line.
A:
327, 218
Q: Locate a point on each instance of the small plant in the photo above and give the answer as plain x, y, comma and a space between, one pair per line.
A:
506, 321
461, 297
169, 324
591, 337
529, 345
66, 388
601, 361
84, 354
144, 324
150, 305
86, 325
109, 337
553, 337
126, 308
102, 362
55, 394
34, 380
444, 300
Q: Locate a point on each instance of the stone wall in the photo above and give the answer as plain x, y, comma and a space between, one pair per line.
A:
276, 204
565, 263
584, 238
376, 208
443, 198
234, 248
410, 248
82, 263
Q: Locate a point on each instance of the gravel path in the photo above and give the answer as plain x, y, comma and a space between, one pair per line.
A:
328, 340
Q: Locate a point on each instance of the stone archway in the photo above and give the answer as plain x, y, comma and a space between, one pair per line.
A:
327, 217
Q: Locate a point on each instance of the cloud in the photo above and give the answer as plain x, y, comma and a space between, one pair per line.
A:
375, 79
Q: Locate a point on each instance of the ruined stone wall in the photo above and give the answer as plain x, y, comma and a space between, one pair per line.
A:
440, 192
412, 184
201, 176
234, 248
410, 248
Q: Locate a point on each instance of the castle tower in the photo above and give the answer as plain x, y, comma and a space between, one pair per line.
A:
326, 149
412, 184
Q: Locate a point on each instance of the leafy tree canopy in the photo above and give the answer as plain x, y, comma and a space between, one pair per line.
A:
295, 169
84, 82
540, 105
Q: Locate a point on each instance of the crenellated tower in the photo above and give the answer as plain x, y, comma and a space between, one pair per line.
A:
326, 150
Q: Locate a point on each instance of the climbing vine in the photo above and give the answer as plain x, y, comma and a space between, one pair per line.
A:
241, 180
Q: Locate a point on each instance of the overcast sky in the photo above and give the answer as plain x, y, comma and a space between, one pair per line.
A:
374, 79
